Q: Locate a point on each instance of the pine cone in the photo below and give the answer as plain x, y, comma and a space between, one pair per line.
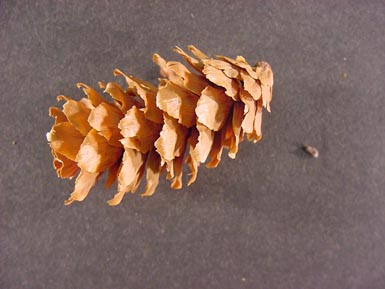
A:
189, 118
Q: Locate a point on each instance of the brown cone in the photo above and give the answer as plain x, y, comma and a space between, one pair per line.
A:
189, 118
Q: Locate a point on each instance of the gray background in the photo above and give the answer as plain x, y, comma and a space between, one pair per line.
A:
272, 218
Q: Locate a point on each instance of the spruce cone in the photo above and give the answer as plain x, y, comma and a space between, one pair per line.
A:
189, 118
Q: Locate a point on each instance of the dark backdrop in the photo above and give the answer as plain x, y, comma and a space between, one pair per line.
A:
272, 218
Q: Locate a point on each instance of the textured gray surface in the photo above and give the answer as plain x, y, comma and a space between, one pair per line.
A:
272, 218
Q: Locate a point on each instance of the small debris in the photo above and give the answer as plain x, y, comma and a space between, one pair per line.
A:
14, 142
311, 151
344, 75
243, 279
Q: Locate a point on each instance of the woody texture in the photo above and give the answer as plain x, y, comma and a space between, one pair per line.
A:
143, 131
